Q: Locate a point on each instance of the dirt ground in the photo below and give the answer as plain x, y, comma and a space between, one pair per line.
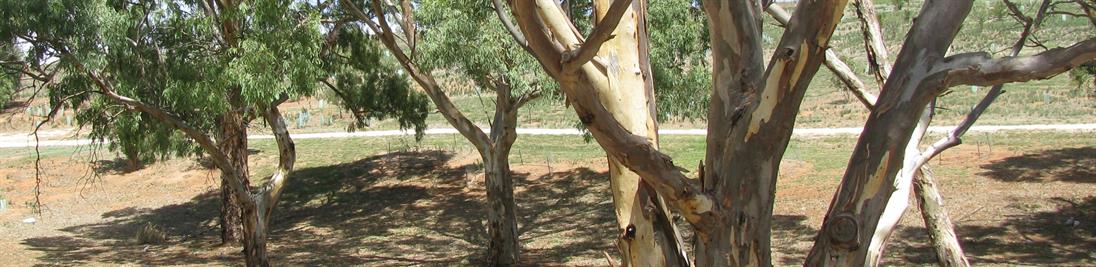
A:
425, 209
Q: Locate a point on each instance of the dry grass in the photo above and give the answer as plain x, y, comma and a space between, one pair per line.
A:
353, 203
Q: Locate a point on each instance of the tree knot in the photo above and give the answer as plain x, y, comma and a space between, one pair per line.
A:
586, 118
844, 231
629, 232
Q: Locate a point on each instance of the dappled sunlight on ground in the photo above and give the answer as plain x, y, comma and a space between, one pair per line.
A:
426, 207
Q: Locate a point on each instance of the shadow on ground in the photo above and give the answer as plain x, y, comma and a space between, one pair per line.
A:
406, 208
1066, 235
1076, 165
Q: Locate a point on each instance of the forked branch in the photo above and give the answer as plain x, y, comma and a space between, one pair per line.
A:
602, 32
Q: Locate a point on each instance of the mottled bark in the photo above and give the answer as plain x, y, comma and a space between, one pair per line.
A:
753, 112
834, 63
259, 207
647, 236
750, 124
752, 115
751, 118
878, 157
896, 205
504, 247
920, 74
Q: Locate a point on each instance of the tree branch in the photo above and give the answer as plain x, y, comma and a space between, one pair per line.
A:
444, 105
526, 98
874, 45
601, 33
519, 38
545, 49
219, 157
346, 99
287, 156
980, 69
544, 24
954, 137
408, 27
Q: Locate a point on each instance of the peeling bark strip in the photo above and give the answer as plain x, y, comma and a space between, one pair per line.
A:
753, 111
874, 45
613, 95
751, 118
744, 92
648, 236
834, 64
935, 216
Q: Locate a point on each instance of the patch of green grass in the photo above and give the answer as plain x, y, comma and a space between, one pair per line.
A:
24, 155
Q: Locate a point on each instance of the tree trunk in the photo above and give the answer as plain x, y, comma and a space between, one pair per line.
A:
868, 183
133, 156
254, 236
233, 141
899, 200
257, 209
502, 228
944, 241
750, 122
647, 236
494, 150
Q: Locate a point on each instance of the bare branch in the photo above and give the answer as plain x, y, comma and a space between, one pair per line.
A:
38, 153
874, 45
640, 156
601, 33
980, 69
1015, 12
526, 98
513, 30
954, 137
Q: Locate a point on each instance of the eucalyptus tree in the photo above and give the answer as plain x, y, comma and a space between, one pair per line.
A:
620, 79
202, 69
679, 58
753, 111
461, 37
